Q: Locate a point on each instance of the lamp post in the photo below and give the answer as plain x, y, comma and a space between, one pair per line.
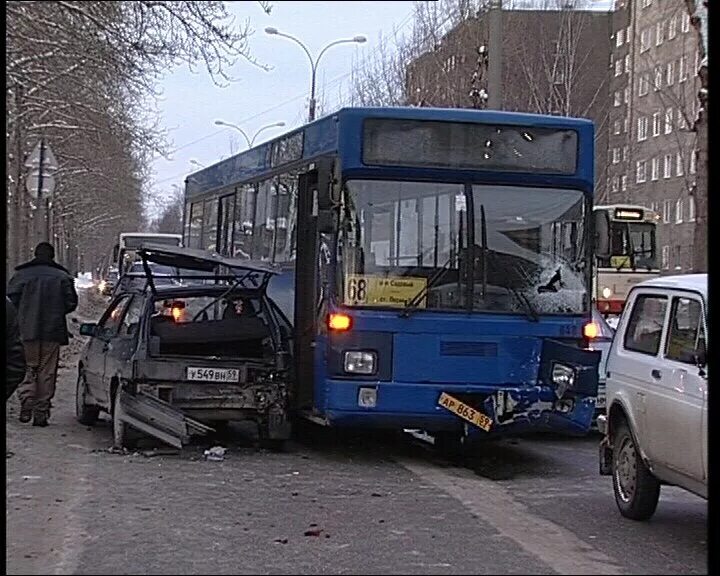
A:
249, 140
314, 62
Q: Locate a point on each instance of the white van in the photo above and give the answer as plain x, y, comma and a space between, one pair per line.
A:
655, 424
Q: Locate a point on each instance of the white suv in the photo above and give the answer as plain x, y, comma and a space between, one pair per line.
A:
655, 424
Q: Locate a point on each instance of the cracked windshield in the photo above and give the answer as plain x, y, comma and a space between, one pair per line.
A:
447, 246
356, 287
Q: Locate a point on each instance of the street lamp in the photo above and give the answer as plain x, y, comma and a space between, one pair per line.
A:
314, 63
247, 139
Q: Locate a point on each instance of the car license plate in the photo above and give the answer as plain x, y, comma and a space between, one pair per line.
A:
465, 412
197, 374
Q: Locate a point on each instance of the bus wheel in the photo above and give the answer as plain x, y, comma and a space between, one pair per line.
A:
450, 444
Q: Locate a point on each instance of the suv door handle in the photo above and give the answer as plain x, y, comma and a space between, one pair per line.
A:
655, 373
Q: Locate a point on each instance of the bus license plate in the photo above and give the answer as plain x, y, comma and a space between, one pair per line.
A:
465, 412
197, 374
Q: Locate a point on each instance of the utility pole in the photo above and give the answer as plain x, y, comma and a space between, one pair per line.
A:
495, 71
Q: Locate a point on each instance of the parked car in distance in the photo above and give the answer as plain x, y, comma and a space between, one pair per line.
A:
601, 342
655, 425
171, 360
107, 284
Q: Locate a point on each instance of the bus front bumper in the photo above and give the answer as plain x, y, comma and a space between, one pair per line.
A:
513, 409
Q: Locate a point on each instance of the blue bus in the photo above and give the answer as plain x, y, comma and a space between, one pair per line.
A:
436, 264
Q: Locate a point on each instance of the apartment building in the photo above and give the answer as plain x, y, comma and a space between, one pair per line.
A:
554, 62
653, 93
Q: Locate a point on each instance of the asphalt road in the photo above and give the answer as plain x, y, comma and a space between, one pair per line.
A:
349, 505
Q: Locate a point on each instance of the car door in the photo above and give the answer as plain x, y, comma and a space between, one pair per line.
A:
122, 346
674, 413
94, 367
634, 357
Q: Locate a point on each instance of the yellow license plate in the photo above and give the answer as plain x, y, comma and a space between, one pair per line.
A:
465, 412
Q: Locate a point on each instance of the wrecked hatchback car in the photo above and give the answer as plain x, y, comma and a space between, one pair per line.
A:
175, 359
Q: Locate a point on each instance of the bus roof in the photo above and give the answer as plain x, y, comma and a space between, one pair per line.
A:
329, 134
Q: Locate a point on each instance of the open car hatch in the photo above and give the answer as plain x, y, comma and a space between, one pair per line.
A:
201, 265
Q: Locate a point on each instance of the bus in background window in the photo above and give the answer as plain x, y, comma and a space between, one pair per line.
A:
627, 253
436, 265
126, 250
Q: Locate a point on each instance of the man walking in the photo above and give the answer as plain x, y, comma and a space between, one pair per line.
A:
43, 293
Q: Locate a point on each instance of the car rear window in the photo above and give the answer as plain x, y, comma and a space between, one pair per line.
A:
646, 322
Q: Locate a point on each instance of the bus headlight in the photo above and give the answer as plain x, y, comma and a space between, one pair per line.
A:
606, 292
563, 376
360, 362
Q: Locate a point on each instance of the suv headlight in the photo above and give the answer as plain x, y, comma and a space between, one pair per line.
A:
360, 362
563, 376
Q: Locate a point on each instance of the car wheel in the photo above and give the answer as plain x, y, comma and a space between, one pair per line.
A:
122, 437
85, 414
637, 491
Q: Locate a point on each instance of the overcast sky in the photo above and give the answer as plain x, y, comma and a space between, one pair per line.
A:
191, 102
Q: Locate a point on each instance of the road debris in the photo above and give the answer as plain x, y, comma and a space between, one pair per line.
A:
216, 454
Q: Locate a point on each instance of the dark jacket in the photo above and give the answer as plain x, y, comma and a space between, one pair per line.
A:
14, 353
43, 293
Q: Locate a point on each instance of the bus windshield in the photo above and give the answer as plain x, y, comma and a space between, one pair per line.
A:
632, 245
486, 247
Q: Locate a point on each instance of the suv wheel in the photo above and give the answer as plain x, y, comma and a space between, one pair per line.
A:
85, 414
637, 491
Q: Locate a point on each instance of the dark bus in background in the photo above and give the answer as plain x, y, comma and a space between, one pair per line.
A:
427, 254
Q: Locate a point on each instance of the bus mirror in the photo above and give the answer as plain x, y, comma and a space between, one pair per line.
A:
602, 234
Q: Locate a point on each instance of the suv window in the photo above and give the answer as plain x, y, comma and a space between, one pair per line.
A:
686, 336
645, 327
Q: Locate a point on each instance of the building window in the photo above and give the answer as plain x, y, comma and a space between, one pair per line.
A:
620, 37
641, 171
667, 168
625, 125
643, 84
681, 121
616, 155
627, 63
617, 127
645, 40
618, 67
656, 124
625, 153
693, 162
679, 165
615, 184
682, 65
685, 22
626, 95
668, 120
655, 169
672, 28
623, 182
657, 84
659, 33
670, 75
617, 98
677, 250
642, 128
666, 211
691, 209
678, 211
666, 257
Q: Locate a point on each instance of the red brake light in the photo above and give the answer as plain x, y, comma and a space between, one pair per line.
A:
339, 322
591, 330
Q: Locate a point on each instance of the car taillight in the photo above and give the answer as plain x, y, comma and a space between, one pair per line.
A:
339, 322
177, 313
591, 331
